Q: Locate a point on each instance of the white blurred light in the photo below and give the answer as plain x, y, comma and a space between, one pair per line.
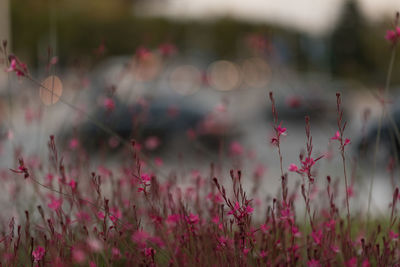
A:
51, 90
185, 79
224, 75
255, 72
147, 68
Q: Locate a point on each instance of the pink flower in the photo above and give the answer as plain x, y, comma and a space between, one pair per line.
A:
215, 219
236, 148
152, 143
393, 236
193, 218
249, 209
307, 164
16, 66
142, 53
101, 215
293, 101
317, 236
365, 263
313, 263
296, 232
78, 255
286, 213
350, 192
336, 136
330, 225
158, 162
280, 130
116, 253
83, 217
173, 219
264, 228
13, 66
146, 177
259, 171
49, 177
53, 60
335, 248
55, 203
274, 141
149, 252
140, 237
234, 209
113, 142
346, 142
38, 253
109, 104
293, 168
191, 134
157, 241
220, 108
10, 135
257, 42
115, 214
30, 115
216, 198
223, 241
167, 49
72, 184
263, 254
352, 262
58, 262
73, 143
391, 36
95, 245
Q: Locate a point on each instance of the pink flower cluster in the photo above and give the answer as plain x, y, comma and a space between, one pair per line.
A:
17, 66
38, 254
306, 165
393, 35
337, 137
279, 131
240, 211
145, 180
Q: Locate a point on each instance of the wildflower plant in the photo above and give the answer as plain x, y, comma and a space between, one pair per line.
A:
136, 213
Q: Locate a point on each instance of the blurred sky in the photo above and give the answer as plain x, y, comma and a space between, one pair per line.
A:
313, 16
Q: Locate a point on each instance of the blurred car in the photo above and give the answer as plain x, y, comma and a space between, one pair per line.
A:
389, 144
295, 106
139, 110
158, 120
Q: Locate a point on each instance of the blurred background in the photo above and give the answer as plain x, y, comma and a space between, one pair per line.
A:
338, 37
190, 79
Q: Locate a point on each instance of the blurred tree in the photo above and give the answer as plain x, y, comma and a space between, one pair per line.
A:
349, 57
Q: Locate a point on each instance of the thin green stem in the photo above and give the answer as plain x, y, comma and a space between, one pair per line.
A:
378, 136
347, 192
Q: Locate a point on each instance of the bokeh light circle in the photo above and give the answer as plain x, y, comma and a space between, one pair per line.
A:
51, 90
256, 72
147, 68
224, 75
185, 79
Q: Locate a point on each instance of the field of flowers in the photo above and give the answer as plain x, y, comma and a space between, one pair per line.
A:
135, 213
